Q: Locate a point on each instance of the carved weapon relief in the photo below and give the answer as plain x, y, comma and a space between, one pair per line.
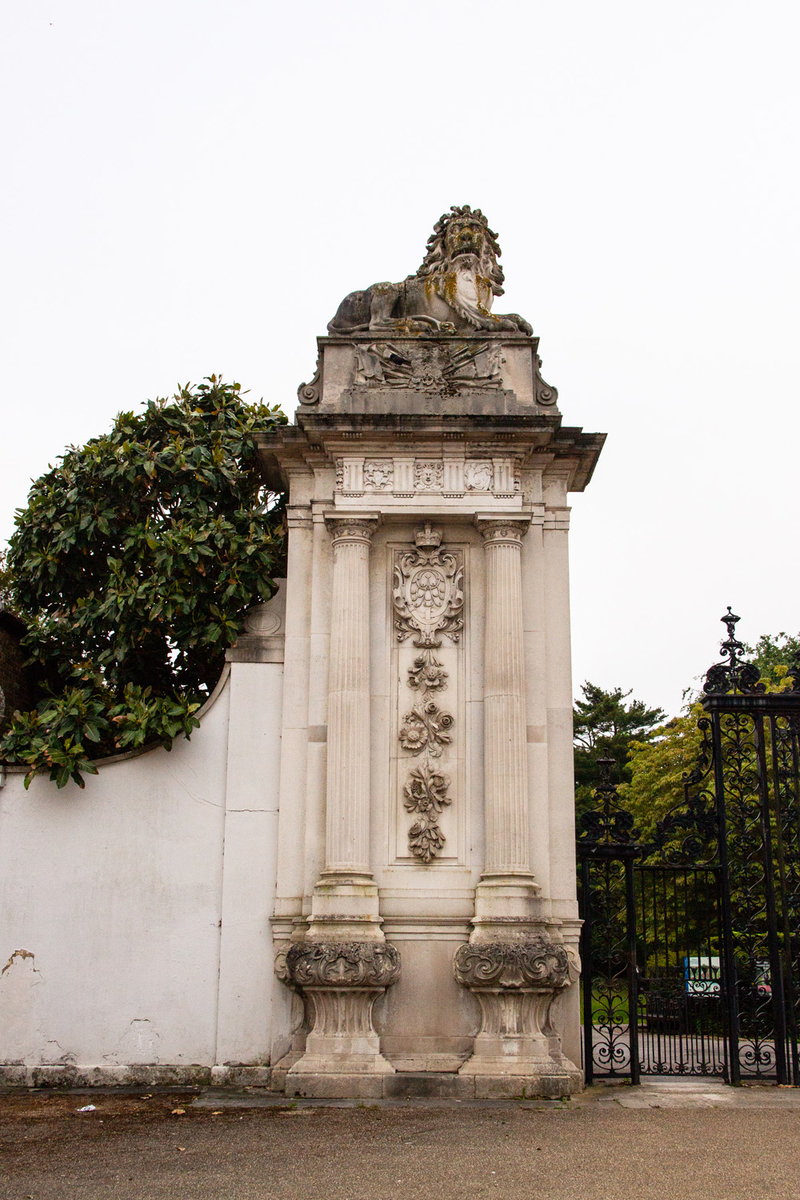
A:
428, 600
437, 366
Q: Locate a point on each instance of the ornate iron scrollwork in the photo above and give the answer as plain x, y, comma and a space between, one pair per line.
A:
734, 675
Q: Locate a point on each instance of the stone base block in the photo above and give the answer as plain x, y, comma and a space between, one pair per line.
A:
440, 1085
138, 1075
340, 1064
523, 1087
444, 1085
335, 1086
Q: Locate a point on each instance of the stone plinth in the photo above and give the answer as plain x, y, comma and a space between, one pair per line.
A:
342, 980
517, 1051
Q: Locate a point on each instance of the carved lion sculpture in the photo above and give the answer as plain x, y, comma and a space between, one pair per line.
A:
451, 292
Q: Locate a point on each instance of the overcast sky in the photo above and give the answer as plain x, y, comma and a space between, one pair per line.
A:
191, 186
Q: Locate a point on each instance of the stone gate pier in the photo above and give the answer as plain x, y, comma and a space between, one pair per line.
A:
425, 924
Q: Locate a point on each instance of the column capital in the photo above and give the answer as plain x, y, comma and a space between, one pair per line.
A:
355, 527
502, 530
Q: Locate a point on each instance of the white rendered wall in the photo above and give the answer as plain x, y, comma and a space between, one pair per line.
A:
135, 935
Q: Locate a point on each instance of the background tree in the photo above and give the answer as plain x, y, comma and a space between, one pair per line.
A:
133, 565
657, 764
605, 726
772, 654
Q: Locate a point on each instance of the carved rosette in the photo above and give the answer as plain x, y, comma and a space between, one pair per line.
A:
343, 964
535, 963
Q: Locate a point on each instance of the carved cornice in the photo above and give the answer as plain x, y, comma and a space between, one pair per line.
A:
342, 964
534, 963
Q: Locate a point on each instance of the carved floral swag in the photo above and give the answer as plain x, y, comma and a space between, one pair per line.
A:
428, 599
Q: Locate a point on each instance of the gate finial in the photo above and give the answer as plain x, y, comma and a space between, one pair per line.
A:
734, 675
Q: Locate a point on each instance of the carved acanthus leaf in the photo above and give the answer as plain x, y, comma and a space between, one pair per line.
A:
343, 964
534, 963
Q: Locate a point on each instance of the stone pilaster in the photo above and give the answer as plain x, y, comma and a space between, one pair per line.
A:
507, 889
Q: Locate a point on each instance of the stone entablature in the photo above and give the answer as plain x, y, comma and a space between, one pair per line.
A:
405, 477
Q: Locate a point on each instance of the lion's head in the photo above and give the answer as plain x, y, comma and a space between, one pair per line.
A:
463, 237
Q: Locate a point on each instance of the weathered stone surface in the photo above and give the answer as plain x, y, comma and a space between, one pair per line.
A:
343, 964
532, 963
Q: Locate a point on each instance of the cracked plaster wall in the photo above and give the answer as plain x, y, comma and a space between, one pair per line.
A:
112, 899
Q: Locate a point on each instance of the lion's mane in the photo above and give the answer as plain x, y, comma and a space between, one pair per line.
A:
436, 262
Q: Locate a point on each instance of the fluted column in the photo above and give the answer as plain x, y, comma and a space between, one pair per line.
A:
347, 824
511, 965
344, 964
345, 892
506, 802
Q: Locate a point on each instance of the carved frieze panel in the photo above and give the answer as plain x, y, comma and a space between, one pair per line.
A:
428, 604
478, 475
428, 475
408, 476
378, 474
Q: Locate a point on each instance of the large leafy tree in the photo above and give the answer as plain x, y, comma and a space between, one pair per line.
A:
133, 564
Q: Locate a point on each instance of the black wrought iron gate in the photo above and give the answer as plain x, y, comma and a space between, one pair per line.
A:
691, 942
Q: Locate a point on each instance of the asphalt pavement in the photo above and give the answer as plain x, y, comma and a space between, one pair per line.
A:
683, 1140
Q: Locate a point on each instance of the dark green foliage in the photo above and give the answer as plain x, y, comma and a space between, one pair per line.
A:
133, 565
773, 654
6, 603
604, 727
